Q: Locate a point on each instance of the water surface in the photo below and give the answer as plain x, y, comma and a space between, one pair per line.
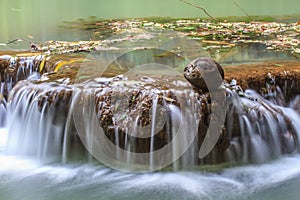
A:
41, 18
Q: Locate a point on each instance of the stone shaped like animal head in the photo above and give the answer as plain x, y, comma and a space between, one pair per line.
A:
204, 74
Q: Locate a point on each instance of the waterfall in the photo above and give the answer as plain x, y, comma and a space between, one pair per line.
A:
40, 120
12, 70
153, 130
166, 122
37, 119
261, 129
143, 130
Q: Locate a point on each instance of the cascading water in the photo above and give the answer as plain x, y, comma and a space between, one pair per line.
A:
261, 129
40, 125
41, 120
37, 123
3, 111
12, 70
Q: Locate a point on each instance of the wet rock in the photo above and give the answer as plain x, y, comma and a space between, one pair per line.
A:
16, 68
204, 74
285, 74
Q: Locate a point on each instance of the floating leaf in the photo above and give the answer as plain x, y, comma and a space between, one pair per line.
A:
42, 64
62, 63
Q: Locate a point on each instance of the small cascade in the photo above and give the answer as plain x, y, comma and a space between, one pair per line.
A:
166, 122
12, 70
41, 124
37, 119
149, 127
153, 130
261, 129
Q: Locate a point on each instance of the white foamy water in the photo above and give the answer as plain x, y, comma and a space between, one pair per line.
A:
25, 179
3, 138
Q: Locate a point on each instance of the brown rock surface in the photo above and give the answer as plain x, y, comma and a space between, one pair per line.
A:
253, 76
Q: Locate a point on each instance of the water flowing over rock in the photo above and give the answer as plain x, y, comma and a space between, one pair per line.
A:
141, 114
12, 70
138, 117
260, 130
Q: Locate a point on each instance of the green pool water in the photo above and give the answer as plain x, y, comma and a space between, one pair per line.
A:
41, 18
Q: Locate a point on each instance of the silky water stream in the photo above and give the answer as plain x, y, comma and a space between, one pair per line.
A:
41, 158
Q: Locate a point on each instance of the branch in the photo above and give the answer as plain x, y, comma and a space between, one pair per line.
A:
242, 9
201, 8
14, 41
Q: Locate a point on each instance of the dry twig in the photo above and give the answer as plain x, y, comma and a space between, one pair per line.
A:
242, 9
201, 8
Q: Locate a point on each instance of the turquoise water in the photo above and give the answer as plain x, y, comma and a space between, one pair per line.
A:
40, 18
